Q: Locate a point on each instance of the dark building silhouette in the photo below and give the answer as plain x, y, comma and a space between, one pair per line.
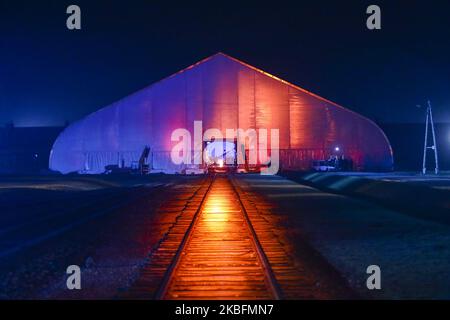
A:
26, 149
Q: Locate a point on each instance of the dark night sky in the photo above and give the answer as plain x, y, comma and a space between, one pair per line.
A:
49, 74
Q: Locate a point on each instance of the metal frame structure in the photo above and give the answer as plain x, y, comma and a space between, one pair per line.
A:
429, 120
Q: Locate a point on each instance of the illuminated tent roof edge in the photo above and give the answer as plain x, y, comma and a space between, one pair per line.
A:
262, 72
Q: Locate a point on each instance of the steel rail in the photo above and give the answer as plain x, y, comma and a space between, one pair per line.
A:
271, 279
165, 283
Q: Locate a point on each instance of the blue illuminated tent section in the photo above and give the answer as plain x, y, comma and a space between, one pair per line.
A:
223, 93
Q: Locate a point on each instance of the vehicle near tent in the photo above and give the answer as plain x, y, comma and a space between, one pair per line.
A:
323, 166
193, 169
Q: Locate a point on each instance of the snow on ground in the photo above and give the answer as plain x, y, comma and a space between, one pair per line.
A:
109, 248
440, 181
414, 254
351, 234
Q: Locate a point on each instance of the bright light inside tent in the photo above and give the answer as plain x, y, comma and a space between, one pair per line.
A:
337, 149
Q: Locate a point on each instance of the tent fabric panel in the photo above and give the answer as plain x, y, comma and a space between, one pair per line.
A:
272, 107
220, 92
168, 111
307, 121
246, 99
135, 125
194, 97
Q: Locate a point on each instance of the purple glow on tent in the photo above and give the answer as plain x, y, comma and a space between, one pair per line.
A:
224, 93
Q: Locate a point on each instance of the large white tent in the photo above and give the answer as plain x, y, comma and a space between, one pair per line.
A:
224, 93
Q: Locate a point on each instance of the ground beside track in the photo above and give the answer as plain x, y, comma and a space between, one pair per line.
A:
413, 253
109, 248
349, 234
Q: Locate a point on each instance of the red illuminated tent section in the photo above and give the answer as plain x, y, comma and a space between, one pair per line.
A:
223, 93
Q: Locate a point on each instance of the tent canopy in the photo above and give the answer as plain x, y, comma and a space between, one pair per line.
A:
223, 93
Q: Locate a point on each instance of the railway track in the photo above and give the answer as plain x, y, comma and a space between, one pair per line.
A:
220, 256
221, 248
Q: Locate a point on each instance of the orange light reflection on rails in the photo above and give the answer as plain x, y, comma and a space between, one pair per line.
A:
220, 261
216, 213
